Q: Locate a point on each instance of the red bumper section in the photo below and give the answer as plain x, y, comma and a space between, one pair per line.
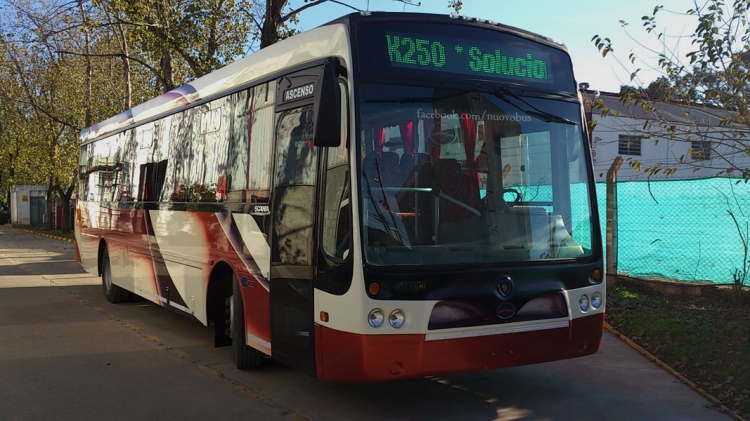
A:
348, 357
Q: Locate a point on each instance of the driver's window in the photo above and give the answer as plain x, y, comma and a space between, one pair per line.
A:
336, 240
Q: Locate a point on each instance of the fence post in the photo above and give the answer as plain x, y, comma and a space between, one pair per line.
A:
612, 217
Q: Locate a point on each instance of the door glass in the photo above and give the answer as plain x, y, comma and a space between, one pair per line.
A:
296, 167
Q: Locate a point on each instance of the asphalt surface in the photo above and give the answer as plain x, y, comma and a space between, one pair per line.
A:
64, 358
67, 354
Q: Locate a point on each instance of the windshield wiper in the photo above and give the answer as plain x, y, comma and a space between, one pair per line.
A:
534, 111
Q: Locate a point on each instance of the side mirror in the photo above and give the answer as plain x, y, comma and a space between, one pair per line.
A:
327, 108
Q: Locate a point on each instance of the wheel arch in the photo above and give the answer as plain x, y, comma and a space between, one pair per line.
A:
218, 291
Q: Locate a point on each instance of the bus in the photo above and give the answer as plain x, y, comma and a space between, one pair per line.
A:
387, 196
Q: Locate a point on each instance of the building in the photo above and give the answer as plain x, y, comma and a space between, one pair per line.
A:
28, 204
680, 140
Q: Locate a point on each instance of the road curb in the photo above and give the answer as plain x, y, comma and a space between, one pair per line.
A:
673, 372
54, 237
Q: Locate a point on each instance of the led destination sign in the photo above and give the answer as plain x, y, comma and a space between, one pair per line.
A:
457, 55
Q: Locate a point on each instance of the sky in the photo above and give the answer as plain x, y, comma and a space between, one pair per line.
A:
573, 22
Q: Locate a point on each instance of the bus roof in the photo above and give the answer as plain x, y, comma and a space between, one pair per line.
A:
331, 39
324, 41
354, 19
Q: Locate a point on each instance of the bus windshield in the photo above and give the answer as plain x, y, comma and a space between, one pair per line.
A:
471, 176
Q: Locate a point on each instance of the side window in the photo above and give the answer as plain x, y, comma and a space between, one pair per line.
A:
98, 172
151, 181
250, 162
336, 238
85, 163
238, 166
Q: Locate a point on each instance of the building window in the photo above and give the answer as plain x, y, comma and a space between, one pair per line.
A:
700, 150
629, 145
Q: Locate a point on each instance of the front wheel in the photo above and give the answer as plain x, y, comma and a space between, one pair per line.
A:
112, 292
243, 356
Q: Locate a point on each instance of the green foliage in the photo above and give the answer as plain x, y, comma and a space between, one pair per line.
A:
65, 65
604, 45
40, 136
456, 5
178, 40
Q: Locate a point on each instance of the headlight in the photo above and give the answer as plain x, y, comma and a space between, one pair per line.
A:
596, 300
583, 303
376, 317
397, 318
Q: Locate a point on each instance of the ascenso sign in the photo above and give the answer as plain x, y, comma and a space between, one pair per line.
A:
300, 92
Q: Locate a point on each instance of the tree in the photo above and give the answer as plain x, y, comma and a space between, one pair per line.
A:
177, 40
67, 64
48, 62
713, 79
456, 5
272, 24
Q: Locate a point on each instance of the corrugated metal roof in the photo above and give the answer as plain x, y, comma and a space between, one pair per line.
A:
678, 113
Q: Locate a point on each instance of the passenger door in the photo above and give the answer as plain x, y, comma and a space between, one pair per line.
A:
294, 201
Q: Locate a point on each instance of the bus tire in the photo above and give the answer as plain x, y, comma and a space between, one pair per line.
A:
112, 292
243, 356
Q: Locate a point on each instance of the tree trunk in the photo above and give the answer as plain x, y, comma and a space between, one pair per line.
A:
50, 212
128, 102
166, 68
89, 71
65, 203
270, 32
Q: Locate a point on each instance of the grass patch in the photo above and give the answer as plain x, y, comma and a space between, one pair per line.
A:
706, 339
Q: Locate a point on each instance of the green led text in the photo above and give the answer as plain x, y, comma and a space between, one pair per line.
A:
407, 50
507, 65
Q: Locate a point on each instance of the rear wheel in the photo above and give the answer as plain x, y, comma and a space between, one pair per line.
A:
112, 292
243, 356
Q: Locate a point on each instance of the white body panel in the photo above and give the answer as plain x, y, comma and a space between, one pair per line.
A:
256, 242
183, 245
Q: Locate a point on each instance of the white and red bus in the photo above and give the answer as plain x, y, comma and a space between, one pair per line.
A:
386, 196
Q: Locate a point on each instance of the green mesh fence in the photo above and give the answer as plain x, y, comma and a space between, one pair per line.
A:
682, 229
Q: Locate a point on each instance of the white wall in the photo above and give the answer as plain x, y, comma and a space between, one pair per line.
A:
20, 202
654, 150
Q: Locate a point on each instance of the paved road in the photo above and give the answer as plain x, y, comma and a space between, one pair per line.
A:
65, 353
62, 357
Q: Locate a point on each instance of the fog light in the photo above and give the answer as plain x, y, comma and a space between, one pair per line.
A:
397, 318
376, 317
596, 300
583, 303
